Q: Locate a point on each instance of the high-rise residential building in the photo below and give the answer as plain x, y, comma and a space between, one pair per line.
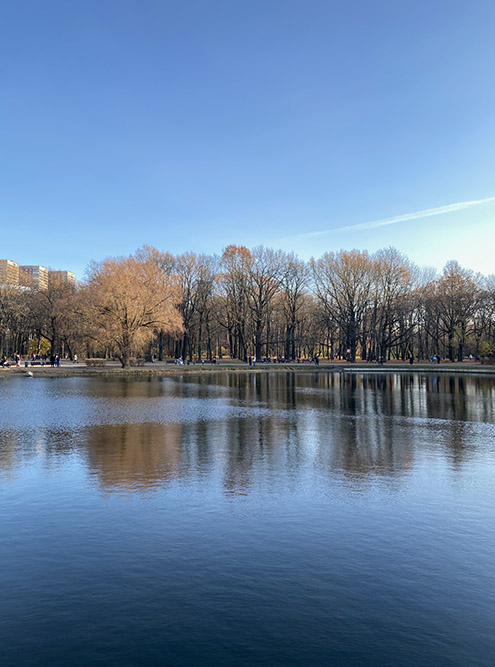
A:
34, 276
61, 276
9, 272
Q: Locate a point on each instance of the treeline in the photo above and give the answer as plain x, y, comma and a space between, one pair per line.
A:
260, 302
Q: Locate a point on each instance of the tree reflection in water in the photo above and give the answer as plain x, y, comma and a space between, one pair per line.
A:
248, 429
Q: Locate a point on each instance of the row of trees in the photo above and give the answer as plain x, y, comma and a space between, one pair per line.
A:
259, 302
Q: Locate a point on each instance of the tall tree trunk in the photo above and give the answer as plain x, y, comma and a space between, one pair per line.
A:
160, 346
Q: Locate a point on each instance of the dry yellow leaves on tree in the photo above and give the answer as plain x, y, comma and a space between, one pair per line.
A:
127, 299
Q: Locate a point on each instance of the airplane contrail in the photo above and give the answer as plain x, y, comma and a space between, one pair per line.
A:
425, 213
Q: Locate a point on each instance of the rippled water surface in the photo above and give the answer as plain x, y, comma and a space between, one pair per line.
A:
248, 519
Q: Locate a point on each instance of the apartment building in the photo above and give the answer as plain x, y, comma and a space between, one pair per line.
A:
9, 272
61, 276
33, 276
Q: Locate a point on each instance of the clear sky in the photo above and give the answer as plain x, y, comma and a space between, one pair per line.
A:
193, 124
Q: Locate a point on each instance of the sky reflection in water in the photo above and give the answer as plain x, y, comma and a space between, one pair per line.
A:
249, 518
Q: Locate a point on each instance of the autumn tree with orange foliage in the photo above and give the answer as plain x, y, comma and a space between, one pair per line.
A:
127, 299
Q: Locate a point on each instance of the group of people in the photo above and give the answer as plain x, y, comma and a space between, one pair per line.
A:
54, 359
41, 359
15, 360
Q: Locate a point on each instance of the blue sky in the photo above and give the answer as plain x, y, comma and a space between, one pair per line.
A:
192, 125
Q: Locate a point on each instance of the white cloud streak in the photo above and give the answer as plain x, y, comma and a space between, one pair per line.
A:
425, 213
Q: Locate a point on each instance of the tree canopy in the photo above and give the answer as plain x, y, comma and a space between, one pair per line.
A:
259, 302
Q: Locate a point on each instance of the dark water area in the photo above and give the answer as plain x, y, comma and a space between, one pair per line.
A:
248, 519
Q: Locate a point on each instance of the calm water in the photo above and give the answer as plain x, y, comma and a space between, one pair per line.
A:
248, 519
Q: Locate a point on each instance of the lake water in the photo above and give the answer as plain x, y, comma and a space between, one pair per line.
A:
248, 519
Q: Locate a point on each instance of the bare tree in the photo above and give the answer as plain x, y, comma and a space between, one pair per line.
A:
343, 283
294, 277
235, 266
456, 299
264, 278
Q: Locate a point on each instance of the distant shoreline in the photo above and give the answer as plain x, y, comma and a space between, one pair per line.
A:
162, 370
